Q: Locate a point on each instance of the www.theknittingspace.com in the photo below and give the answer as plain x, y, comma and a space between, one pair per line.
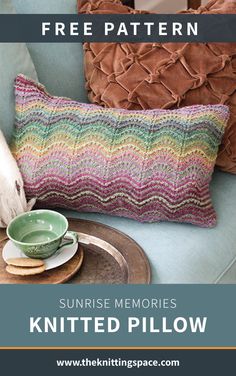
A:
117, 362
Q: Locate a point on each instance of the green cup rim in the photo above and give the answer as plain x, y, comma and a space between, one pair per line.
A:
36, 211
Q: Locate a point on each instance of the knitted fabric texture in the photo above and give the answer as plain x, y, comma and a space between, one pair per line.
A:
139, 76
149, 165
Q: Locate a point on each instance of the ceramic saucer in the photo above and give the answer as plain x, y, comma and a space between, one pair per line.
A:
58, 259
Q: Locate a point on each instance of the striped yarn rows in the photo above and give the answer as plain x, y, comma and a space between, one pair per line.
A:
153, 165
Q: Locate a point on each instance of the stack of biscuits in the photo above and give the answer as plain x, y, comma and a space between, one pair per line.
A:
25, 266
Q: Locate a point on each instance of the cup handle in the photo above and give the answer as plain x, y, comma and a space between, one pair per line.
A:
74, 239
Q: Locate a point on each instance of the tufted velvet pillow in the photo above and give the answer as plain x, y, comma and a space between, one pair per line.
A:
148, 165
147, 76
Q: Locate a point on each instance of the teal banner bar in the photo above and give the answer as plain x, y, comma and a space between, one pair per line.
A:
118, 316
150, 28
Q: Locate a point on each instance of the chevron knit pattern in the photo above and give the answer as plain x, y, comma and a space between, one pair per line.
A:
149, 165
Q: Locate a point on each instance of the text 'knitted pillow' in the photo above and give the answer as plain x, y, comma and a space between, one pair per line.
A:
139, 76
148, 165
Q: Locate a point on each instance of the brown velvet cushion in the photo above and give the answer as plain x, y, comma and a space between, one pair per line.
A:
147, 75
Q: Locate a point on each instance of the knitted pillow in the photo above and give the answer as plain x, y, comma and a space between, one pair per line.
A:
155, 75
147, 165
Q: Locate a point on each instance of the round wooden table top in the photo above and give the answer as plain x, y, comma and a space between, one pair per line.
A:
105, 256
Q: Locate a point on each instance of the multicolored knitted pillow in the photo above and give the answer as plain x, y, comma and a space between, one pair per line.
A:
148, 165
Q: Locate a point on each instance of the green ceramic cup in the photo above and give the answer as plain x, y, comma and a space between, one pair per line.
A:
40, 233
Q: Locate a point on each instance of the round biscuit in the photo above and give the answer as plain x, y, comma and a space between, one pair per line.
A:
16, 270
25, 262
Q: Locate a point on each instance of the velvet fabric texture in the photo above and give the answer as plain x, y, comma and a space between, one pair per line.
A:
152, 165
149, 76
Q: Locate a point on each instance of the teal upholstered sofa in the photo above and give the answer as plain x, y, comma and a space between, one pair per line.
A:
177, 253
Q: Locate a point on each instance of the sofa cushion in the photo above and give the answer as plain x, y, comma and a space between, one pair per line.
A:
57, 64
147, 165
156, 75
14, 59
